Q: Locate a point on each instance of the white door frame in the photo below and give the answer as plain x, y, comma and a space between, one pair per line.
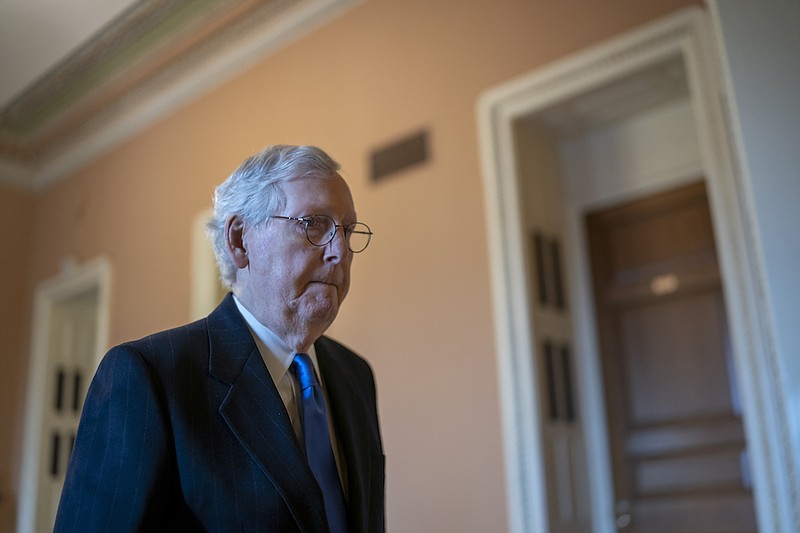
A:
686, 33
73, 281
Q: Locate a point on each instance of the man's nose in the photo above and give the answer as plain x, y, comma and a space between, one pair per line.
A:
337, 249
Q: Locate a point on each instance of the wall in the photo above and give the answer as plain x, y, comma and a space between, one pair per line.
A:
419, 307
634, 156
16, 209
760, 51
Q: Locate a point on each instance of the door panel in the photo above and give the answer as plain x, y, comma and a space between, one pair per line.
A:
678, 449
674, 349
72, 352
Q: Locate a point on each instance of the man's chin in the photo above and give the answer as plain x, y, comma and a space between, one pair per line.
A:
320, 302
321, 311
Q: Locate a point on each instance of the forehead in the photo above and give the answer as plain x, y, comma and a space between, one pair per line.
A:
325, 195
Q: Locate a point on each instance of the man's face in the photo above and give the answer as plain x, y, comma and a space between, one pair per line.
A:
291, 283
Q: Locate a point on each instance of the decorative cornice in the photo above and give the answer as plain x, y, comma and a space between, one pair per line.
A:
156, 56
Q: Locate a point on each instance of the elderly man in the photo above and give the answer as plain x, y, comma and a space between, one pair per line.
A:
250, 419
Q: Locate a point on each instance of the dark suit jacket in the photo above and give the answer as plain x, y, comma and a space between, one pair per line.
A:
184, 430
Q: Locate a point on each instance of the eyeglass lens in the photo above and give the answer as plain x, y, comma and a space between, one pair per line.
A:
321, 229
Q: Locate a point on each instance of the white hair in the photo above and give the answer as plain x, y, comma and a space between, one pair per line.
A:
254, 192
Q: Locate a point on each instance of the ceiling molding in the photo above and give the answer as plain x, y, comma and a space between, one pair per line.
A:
156, 57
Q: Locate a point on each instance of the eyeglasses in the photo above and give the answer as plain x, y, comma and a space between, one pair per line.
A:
321, 229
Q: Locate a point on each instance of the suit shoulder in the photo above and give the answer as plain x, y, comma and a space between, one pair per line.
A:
338, 349
171, 334
173, 341
344, 356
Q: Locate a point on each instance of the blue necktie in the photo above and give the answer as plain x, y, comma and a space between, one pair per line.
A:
318, 443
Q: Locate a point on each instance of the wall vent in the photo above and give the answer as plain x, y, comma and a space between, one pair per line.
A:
399, 155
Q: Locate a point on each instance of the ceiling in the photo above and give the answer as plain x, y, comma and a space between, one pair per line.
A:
78, 77
618, 99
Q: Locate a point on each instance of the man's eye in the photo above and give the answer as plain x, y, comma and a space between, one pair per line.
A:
314, 222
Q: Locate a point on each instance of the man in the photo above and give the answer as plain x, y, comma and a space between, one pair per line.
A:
222, 424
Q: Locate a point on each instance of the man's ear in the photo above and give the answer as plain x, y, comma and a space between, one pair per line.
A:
234, 241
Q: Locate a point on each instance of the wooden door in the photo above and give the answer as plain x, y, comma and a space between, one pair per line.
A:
678, 450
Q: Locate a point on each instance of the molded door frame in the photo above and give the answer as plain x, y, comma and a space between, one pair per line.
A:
73, 282
687, 34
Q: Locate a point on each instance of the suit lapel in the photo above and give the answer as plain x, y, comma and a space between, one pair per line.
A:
256, 415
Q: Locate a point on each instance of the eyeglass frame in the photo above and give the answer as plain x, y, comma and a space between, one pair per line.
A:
305, 219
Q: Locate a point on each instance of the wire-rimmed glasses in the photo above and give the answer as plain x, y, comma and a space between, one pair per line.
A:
321, 229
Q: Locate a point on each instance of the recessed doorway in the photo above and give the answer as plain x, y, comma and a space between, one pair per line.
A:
631, 118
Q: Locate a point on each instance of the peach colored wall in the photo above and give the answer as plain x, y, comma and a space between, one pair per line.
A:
420, 305
16, 211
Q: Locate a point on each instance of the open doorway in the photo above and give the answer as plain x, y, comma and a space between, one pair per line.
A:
629, 119
69, 338
678, 452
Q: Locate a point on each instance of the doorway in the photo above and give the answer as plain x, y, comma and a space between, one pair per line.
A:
70, 336
630, 118
678, 451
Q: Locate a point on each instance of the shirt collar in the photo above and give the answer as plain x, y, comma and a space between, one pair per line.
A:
276, 354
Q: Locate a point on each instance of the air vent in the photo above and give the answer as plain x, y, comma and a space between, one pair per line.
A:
399, 155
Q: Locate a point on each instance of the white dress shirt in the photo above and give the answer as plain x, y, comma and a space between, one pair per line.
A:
278, 358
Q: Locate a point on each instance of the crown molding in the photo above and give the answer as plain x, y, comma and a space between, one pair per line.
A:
202, 54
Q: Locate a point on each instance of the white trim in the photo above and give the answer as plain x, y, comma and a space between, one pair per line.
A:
686, 34
527, 504
754, 333
73, 281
